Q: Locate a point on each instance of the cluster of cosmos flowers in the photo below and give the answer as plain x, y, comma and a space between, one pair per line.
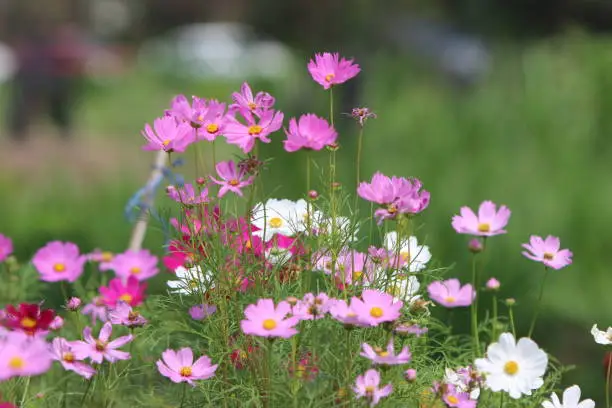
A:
380, 286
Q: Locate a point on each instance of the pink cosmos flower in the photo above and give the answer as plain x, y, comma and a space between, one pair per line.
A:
179, 366
57, 323
168, 135
244, 100
450, 293
22, 355
140, 264
244, 136
96, 309
410, 375
187, 195
101, 349
58, 261
200, 312
232, 178
367, 386
547, 251
180, 109
209, 120
312, 307
329, 69
310, 132
6, 247
124, 315
388, 357
131, 292
343, 312
487, 223
265, 320
376, 307
415, 329
62, 352
455, 398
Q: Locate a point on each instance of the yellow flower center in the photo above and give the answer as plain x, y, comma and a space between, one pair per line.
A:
233, 182
68, 357
376, 312
357, 275
484, 227
166, 142
16, 363
252, 106
452, 399
135, 270
511, 367
370, 389
391, 209
126, 297
185, 372
450, 299
548, 256
381, 352
28, 323
269, 324
405, 255
133, 315
275, 222
100, 345
106, 256
212, 128
59, 267
329, 77
193, 284
255, 130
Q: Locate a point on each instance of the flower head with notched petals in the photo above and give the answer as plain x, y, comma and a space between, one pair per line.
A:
376, 307
450, 293
571, 399
329, 69
231, 177
209, 120
245, 135
514, 367
244, 101
265, 320
124, 315
28, 318
179, 366
59, 261
23, 356
6, 247
131, 292
167, 135
547, 251
284, 217
367, 385
62, 352
187, 195
309, 132
101, 348
602, 337
380, 356
341, 311
487, 223
97, 309
140, 264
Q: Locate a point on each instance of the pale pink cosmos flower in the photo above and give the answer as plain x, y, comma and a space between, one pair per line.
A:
23, 356
101, 348
201, 312
456, 398
140, 264
179, 366
265, 320
59, 261
244, 101
187, 194
343, 313
309, 132
329, 69
376, 307
62, 352
245, 135
232, 178
312, 307
367, 385
547, 251
450, 293
97, 309
124, 315
415, 329
388, 357
167, 135
57, 323
6, 247
487, 223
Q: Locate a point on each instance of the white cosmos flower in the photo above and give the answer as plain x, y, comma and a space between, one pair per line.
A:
278, 256
191, 280
516, 368
323, 224
283, 217
415, 255
404, 288
571, 399
602, 337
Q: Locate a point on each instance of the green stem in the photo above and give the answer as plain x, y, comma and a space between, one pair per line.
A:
608, 381
512, 325
87, 390
359, 146
183, 394
25, 392
539, 304
501, 399
474, 307
494, 328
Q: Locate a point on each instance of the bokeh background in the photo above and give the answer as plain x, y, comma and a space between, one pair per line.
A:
481, 99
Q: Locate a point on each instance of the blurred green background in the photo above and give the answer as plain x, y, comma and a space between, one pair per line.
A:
532, 133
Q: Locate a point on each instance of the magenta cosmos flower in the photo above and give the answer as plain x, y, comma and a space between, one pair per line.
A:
59, 261
244, 101
245, 135
6, 247
178, 366
139, 264
265, 320
187, 194
62, 352
367, 385
310, 132
209, 120
450, 293
131, 292
167, 135
547, 251
231, 177
487, 223
329, 69
379, 356
376, 307
101, 348
22, 356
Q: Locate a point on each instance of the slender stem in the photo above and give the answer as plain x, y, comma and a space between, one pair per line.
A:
512, 325
494, 328
539, 304
474, 306
359, 146
609, 361
25, 392
501, 399
183, 394
87, 390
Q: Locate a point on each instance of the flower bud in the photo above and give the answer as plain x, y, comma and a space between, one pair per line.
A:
493, 284
475, 246
510, 302
73, 304
410, 375
313, 194
201, 181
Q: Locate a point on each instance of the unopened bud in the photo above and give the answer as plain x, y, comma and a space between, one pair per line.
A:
201, 181
493, 284
313, 194
510, 302
292, 300
475, 246
332, 147
73, 304
410, 375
